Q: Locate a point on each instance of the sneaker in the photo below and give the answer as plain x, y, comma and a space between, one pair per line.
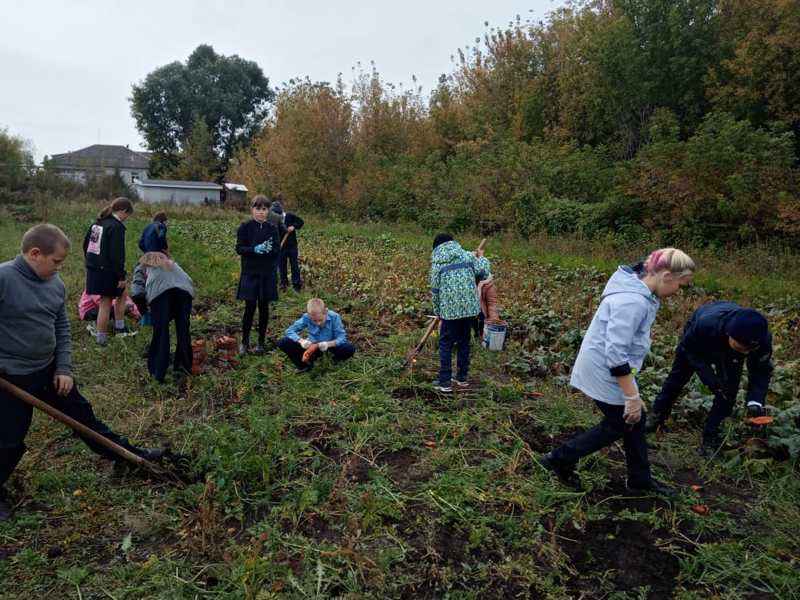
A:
565, 474
244, 348
755, 410
439, 387
654, 422
124, 332
92, 329
710, 448
6, 509
653, 486
459, 383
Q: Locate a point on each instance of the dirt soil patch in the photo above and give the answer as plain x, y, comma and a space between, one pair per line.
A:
625, 554
537, 438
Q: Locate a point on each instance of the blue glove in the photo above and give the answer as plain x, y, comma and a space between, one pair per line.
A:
260, 249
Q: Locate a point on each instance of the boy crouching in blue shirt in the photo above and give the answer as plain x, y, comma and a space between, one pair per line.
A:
325, 334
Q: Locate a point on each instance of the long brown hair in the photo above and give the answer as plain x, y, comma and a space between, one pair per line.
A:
118, 205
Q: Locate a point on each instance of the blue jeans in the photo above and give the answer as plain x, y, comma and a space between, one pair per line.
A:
290, 255
602, 435
454, 333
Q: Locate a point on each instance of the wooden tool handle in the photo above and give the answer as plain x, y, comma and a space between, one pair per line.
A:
80, 428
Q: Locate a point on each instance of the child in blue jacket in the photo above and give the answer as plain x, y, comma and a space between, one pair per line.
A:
325, 334
612, 351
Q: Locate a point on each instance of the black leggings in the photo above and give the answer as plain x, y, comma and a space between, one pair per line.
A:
247, 320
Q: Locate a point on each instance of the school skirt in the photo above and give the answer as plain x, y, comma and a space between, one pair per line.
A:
103, 282
258, 286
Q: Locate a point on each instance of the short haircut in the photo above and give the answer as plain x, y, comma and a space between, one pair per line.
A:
315, 305
160, 217
260, 201
441, 239
46, 237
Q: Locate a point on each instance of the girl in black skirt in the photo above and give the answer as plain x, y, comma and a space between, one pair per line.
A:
104, 249
258, 243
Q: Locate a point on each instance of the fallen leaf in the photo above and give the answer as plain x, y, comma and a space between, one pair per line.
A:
77, 493
700, 509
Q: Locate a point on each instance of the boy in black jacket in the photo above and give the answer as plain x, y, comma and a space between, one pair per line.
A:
36, 351
104, 249
289, 252
717, 340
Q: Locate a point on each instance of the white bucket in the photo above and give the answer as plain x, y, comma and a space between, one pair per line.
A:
494, 336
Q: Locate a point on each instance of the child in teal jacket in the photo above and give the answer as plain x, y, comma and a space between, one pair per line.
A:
455, 302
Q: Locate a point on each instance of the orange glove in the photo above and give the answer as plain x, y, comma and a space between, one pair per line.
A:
309, 353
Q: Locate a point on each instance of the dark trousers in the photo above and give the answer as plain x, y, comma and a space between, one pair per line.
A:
290, 254
295, 353
15, 418
679, 376
172, 305
247, 320
454, 333
609, 430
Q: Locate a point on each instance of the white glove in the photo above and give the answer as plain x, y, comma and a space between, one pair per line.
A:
305, 343
323, 346
632, 412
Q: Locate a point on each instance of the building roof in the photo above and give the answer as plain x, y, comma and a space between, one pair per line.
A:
235, 187
102, 155
172, 183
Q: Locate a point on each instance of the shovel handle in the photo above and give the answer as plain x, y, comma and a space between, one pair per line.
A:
80, 428
285, 237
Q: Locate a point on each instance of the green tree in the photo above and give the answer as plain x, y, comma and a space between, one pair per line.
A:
760, 77
16, 160
229, 93
197, 160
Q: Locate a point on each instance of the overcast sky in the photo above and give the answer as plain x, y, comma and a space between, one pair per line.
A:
66, 68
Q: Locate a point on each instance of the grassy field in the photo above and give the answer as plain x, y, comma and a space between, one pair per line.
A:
358, 481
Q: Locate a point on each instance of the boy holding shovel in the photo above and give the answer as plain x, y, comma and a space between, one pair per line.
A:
36, 352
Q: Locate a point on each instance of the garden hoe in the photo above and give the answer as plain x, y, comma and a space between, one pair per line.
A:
412, 356
158, 471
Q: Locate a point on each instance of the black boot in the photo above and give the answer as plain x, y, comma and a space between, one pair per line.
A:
755, 410
565, 473
710, 447
5, 505
653, 486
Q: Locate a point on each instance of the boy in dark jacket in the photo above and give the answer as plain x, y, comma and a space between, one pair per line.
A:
717, 341
289, 252
154, 236
36, 351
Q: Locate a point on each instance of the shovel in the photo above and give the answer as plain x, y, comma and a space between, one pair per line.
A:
83, 430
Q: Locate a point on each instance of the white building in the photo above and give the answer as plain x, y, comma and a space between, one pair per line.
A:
187, 192
101, 160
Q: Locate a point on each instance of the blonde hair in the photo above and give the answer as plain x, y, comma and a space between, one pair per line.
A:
315, 305
156, 259
673, 260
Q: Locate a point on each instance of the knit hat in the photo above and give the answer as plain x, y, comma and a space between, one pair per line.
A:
748, 327
277, 207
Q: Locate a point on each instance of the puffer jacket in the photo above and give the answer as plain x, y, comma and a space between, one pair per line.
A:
453, 273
